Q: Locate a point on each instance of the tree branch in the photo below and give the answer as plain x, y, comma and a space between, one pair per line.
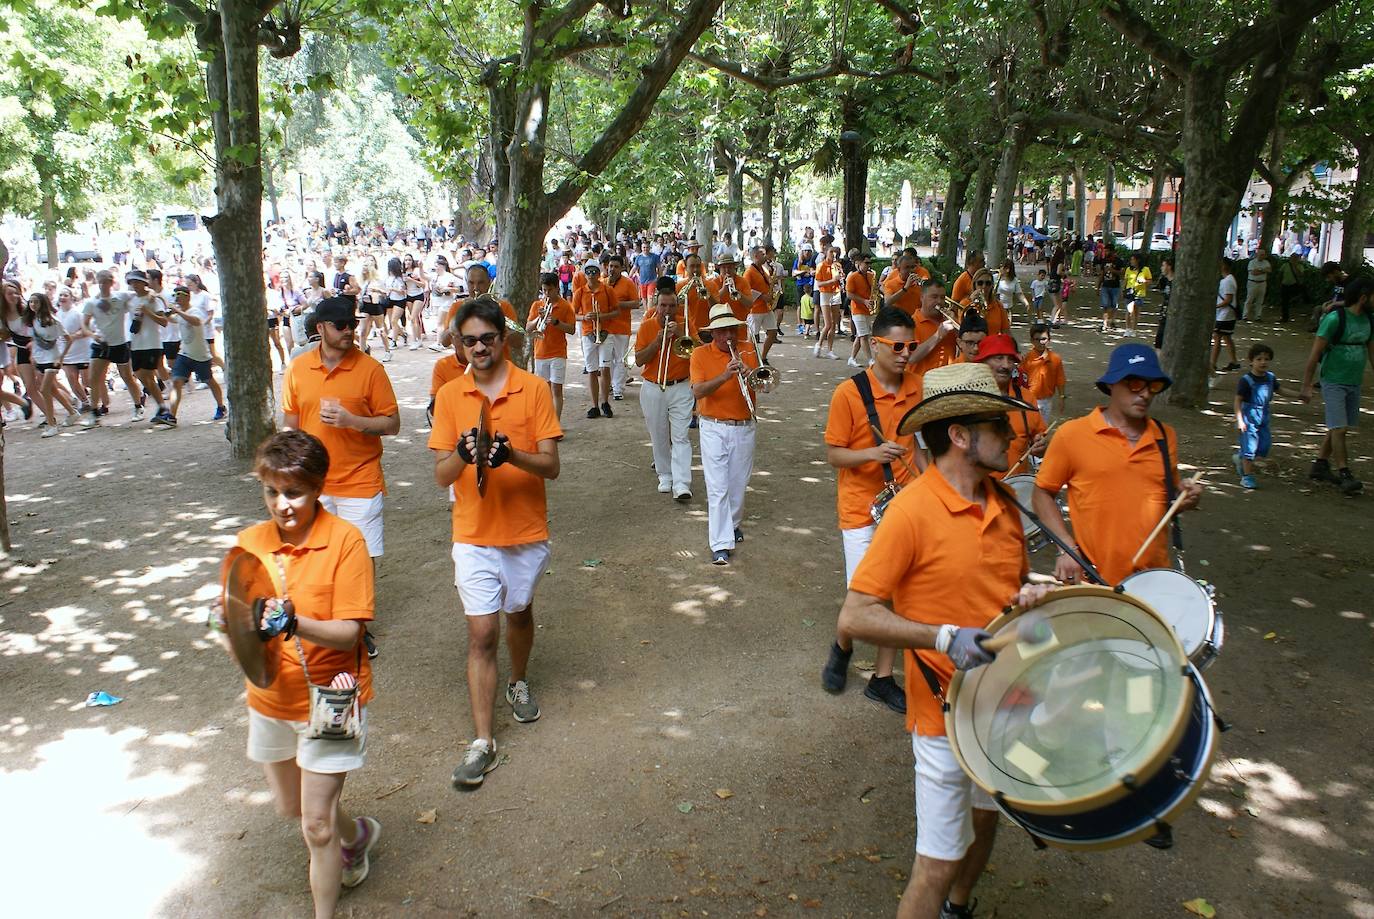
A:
554, 21
1137, 30
908, 21
1242, 45
1165, 144
836, 68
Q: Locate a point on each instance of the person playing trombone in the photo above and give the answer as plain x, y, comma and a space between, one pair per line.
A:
935, 330
725, 402
663, 349
549, 324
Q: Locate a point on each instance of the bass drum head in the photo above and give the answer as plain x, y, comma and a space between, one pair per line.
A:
1069, 724
246, 583
1180, 601
1023, 486
1162, 799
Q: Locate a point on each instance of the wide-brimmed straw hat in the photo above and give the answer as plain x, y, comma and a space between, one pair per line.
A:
722, 317
959, 389
727, 258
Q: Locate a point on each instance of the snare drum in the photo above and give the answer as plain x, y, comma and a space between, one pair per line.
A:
1186, 605
1096, 738
1023, 486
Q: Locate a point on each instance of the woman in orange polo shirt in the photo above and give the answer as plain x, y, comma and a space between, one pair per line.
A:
309, 551
984, 299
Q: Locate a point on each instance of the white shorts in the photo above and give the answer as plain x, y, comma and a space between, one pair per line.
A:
363, 513
273, 740
613, 351
591, 354
761, 322
828, 299
863, 325
855, 545
945, 799
498, 579
553, 369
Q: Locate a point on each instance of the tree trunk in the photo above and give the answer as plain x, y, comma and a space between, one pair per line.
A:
1013, 151
978, 210
1160, 173
735, 214
1080, 203
1356, 217
785, 224
1021, 205
766, 191
1063, 205
50, 229
231, 80
955, 194
1108, 218
269, 179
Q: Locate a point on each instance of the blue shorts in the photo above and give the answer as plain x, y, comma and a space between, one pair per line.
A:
1255, 441
1342, 405
1110, 297
183, 367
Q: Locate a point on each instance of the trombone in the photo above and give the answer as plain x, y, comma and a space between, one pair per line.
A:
951, 309
742, 377
664, 351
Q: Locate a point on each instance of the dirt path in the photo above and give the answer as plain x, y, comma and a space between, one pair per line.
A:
687, 762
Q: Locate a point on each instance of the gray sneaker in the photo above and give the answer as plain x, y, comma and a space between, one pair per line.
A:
479, 759
521, 702
355, 857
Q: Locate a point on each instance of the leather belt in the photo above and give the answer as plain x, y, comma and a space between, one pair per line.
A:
733, 422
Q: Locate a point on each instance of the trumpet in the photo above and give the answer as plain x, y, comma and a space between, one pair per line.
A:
743, 377
951, 309
545, 315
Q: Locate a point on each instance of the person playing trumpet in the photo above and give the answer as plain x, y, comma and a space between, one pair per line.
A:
983, 298
725, 401
593, 305
550, 322
666, 396
902, 288
695, 297
729, 288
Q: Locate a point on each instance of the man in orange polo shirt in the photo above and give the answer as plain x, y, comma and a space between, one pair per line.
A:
500, 537
902, 288
479, 283
625, 297
593, 307
344, 397
867, 464
963, 285
935, 333
551, 345
685, 268
1113, 461
696, 297
762, 321
726, 428
666, 396
729, 288
861, 285
948, 557
999, 353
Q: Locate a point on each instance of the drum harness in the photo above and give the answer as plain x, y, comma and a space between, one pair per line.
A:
1170, 493
865, 389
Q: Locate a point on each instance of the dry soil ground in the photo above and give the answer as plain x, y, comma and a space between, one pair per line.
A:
687, 763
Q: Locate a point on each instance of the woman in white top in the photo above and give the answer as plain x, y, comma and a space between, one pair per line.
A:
396, 300
372, 304
442, 292
46, 333
276, 308
202, 299
75, 356
415, 300
1009, 288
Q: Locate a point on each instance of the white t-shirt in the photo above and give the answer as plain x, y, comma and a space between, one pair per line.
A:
110, 316
1039, 288
47, 342
201, 301
441, 301
171, 331
1007, 291
193, 343
72, 323
1227, 286
1257, 271
149, 334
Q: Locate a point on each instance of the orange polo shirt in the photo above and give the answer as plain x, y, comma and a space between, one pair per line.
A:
514, 511
944, 353
727, 402
995, 315
761, 283
847, 426
555, 341
698, 307
716, 286
860, 284
828, 277
446, 368
626, 293
1045, 372
908, 299
963, 287
1027, 426
328, 577
938, 559
1116, 491
362, 387
587, 301
678, 368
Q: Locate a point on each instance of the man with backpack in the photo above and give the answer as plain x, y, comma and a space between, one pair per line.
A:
1343, 344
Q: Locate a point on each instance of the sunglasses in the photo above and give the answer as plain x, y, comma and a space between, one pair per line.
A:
984, 283
1136, 385
1000, 424
897, 346
488, 339
344, 325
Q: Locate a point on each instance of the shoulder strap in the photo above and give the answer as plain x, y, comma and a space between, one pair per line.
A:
865, 389
1002, 489
1162, 443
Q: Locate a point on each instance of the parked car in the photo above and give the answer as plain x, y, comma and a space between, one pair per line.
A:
1159, 242
71, 247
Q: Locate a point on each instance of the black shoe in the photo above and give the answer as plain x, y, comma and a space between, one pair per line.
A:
27, 409
593, 412
1229, 367
739, 535
371, 644
884, 689
1348, 484
949, 911
618, 397
835, 673
693, 425
606, 410
1321, 472
1162, 839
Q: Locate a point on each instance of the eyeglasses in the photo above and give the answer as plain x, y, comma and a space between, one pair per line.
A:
984, 283
488, 339
970, 342
1000, 424
1136, 385
344, 325
897, 346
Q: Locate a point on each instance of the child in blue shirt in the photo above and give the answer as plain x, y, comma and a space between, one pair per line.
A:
1254, 394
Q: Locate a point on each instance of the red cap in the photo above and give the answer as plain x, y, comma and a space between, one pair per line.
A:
994, 345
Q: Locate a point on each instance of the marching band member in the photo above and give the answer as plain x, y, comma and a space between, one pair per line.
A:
1113, 461
866, 465
593, 305
999, 353
666, 395
725, 405
500, 540
829, 275
777, 273
761, 319
986, 303
624, 298
692, 290
963, 285
685, 269
902, 288
479, 284
972, 331
950, 527
933, 331
861, 287
556, 317
729, 288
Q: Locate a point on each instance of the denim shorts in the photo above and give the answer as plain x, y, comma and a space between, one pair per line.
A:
1110, 297
1342, 405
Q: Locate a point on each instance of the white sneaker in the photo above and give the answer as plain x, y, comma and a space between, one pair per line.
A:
816, 351
386, 357
854, 363
414, 346
89, 420
665, 487
71, 419
832, 355
49, 431
138, 413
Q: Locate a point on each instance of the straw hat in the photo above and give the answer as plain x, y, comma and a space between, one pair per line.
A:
959, 389
722, 317
727, 258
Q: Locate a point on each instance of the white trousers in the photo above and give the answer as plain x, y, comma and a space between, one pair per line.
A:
727, 461
613, 356
1254, 299
666, 415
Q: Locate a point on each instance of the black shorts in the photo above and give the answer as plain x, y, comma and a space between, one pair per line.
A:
21, 348
415, 298
372, 309
44, 368
1224, 326
170, 350
273, 322
397, 305
115, 354
146, 359
81, 366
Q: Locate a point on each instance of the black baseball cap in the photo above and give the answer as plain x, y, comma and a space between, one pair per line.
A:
335, 309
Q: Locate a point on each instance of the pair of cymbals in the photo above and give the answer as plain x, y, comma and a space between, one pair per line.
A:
246, 586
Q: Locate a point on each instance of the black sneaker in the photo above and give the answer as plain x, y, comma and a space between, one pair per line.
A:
1348, 484
739, 535
949, 911
835, 673
884, 689
27, 409
1229, 367
593, 412
606, 410
1321, 472
370, 644
618, 396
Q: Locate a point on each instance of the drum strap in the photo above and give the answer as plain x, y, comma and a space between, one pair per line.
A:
1067, 549
1170, 492
865, 389
932, 681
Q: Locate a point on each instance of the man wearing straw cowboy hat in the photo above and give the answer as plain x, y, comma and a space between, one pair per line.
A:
948, 556
725, 405
1113, 461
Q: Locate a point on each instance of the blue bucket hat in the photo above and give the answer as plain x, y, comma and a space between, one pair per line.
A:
1132, 361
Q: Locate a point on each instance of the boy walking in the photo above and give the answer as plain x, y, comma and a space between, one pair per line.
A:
1044, 371
1254, 395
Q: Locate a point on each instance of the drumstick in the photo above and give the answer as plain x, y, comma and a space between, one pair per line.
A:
882, 440
1029, 448
1032, 628
1163, 521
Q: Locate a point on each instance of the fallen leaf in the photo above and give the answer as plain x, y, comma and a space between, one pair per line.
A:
812, 904
724, 793
873, 858
808, 622
1108, 899
1200, 907
428, 816
685, 807
761, 911
864, 665
1234, 833
1017, 885
792, 897
591, 563
1270, 636
1253, 812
